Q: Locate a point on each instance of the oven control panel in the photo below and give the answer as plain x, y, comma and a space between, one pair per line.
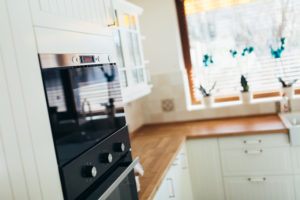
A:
67, 60
82, 172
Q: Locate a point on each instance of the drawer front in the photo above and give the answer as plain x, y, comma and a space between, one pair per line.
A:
260, 188
270, 140
253, 161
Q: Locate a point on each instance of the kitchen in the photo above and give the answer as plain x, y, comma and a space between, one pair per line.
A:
190, 145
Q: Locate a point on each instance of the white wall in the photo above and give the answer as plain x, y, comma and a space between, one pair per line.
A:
162, 48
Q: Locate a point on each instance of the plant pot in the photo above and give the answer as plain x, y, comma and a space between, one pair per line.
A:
246, 97
208, 101
289, 91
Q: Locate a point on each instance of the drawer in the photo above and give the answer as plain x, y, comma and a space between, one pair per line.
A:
270, 140
260, 188
255, 161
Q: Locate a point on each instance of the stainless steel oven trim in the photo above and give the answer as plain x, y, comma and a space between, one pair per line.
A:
66, 60
116, 183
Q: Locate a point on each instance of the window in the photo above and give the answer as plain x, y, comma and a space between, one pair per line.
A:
215, 34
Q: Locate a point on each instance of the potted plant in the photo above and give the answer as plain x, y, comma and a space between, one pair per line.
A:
246, 95
207, 95
287, 87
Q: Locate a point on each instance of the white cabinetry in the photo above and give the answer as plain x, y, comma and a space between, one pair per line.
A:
257, 167
177, 183
297, 186
260, 188
205, 169
244, 168
85, 16
296, 159
132, 66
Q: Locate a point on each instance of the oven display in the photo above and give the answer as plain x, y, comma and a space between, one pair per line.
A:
87, 59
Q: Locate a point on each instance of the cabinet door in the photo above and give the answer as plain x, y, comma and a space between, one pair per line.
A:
260, 188
205, 169
296, 159
86, 16
162, 193
297, 186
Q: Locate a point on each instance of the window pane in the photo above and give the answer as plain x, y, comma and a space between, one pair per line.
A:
221, 34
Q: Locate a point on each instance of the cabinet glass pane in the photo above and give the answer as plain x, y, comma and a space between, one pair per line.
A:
135, 76
136, 47
141, 75
117, 39
123, 79
132, 22
131, 52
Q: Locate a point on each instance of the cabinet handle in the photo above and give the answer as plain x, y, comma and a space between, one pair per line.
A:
263, 179
184, 161
252, 141
172, 195
254, 152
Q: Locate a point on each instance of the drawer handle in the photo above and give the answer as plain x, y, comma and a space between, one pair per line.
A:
252, 141
263, 179
171, 184
254, 152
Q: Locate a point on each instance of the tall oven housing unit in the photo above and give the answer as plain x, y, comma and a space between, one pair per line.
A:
88, 123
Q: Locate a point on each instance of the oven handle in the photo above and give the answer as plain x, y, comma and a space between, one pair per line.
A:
116, 183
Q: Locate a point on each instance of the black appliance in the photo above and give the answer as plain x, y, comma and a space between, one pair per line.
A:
88, 123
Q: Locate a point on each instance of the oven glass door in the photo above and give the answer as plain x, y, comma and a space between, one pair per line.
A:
125, 190
84, 105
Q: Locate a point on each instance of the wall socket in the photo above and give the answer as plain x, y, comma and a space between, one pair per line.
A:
167, 105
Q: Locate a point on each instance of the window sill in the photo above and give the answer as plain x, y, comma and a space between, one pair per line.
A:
237, 103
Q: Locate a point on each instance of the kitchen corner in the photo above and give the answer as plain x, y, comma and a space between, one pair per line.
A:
157, 145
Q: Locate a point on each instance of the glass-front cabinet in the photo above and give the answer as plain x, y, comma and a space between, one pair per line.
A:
132, 66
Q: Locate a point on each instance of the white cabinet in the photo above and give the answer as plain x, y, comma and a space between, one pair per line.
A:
260, 188
296, 159
297, 186
132, 66
177, 183
205, 169
256, 161
85, 16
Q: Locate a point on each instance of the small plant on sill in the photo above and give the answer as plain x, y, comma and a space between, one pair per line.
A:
285, 84
244, 84
207, 93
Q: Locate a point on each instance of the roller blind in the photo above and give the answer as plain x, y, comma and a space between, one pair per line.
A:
259, 24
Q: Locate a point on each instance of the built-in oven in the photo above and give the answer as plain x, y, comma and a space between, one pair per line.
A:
88, 123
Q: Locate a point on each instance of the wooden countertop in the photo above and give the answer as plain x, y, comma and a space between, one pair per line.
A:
158, 145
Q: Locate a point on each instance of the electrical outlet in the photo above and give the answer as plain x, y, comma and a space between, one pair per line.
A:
167, 105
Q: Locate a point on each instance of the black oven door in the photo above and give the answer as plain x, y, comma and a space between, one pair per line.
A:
118, 185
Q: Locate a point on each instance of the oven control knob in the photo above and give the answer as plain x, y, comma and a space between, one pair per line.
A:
90, 171
75, 60
119, 147
106, 158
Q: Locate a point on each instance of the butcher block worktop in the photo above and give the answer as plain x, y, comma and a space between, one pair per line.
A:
158, 145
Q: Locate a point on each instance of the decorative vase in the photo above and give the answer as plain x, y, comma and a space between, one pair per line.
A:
246, 97
289, 91
208, 101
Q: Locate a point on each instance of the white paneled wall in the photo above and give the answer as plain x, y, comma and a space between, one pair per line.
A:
25, 134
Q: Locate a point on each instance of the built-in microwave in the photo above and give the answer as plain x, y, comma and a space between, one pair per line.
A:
88, 124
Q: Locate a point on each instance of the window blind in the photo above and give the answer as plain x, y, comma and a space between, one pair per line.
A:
260, 24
